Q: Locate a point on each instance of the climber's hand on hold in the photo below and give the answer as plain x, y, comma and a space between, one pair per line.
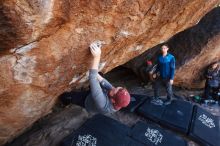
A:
95, 49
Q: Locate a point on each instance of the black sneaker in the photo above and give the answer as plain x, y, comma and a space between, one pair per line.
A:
157, 101
168, 101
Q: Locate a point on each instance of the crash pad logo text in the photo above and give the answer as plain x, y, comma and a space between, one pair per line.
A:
86, 140
206, 121
154, 136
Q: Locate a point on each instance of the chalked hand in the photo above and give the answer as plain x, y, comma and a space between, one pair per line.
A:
95, 47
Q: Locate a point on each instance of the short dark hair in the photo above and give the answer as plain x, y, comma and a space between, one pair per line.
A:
165, 45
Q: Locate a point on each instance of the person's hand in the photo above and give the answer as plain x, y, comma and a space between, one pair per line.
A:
154, 76
95, 49
171, 82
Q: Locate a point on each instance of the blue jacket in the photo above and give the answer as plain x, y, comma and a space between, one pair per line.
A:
166, 66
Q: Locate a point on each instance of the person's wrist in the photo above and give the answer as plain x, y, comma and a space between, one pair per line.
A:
97, 57
95, 62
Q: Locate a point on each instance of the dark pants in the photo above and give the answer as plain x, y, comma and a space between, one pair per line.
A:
163, 83
144, 73
77, 98
210, 91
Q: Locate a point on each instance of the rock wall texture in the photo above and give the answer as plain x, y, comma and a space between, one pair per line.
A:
195, 49
44, 46
199, 47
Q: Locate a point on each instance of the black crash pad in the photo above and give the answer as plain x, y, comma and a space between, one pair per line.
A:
178, 115
103, 123
205, 127
136, 101
151, 111
133, 142
99, 131
153, 135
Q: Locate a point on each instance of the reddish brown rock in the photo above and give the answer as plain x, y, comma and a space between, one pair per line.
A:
51, 39
195, 49
201, 47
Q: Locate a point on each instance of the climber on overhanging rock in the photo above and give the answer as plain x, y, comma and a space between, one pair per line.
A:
164, 75
212, 81
102, 97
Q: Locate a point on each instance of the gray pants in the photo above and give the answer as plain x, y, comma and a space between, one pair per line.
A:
163, 83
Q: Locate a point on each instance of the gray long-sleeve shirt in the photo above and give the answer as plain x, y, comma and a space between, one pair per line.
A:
98, 100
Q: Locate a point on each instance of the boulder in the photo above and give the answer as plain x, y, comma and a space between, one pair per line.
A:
44, 46
195, 49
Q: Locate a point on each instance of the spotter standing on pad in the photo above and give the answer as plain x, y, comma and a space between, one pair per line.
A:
164, 74
102, 97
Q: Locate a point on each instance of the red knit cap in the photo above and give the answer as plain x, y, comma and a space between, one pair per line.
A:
148, 62
122, 99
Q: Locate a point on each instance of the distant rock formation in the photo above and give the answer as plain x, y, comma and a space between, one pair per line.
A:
195, 49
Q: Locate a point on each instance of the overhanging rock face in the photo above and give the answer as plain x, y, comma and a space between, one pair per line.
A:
44, 46
200, 47
195, 49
